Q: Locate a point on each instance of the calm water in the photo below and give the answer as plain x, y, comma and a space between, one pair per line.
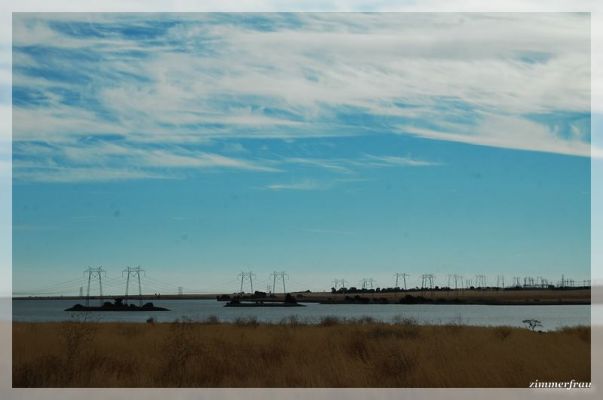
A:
552, 317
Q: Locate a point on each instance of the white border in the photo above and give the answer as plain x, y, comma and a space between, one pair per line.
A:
8, 7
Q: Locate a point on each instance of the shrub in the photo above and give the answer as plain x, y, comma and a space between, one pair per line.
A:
503, 332
329, 321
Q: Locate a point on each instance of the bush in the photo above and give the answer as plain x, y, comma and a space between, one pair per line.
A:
248, 321
329, 321
503, 332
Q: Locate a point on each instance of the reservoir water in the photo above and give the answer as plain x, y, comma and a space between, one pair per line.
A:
551, 316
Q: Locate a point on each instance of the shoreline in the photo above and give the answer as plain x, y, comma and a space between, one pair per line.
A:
566, 296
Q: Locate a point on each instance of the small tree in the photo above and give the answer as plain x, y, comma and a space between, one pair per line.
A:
532, 323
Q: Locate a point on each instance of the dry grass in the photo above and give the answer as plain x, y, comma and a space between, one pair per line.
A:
292, 354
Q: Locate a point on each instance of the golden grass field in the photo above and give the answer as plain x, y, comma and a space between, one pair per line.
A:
331, 354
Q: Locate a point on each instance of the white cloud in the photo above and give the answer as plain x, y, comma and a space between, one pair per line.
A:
472, 78
201, 160
370, 62
301, 185
110, 161
78, 174
351, 165
508, 132
334, 165
388, 161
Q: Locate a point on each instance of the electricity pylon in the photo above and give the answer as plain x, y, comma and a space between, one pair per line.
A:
427, 281
480, 281
246, 276
339, 283
98, 273
458, 279
402, 275
371, 281
135, 273
280, 276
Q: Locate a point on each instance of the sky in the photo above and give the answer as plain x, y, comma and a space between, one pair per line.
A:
327, 145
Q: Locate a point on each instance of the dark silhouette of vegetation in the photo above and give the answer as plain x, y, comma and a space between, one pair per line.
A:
532, 323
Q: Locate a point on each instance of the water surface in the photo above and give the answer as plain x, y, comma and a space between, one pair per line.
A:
551, 316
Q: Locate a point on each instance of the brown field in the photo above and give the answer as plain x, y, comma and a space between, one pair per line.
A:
332, 354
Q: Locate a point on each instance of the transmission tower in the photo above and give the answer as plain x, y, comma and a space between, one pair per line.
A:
528, 281
282, 276
274, 276
458, 279
370, 282
500, 281
427, 281
402, 275
133, 272
94, 273
246, 276
339, 283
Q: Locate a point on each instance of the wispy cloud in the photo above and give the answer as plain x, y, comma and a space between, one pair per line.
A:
512, 133
104, 161
77, 174
200, 160
300, 185
350, 165
332, 164
486, 79
395, 161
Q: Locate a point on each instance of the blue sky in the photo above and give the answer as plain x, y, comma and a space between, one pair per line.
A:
327, 145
